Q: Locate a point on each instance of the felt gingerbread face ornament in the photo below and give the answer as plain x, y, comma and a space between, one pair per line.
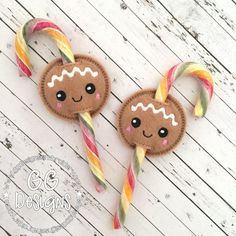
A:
153, 122
72, 87
156, 126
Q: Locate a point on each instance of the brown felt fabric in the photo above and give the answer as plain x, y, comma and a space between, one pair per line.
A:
151, 123
77, 99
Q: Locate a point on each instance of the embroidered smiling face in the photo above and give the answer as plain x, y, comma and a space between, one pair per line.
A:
156, 126
72, 88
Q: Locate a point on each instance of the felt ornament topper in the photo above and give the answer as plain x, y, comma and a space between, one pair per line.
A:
153, 122
72, 86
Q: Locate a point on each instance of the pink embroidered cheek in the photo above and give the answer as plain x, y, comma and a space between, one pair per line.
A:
59, 105
164, 142
98, 96
128, 129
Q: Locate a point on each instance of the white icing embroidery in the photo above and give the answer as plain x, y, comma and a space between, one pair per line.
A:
71, 74
155, 111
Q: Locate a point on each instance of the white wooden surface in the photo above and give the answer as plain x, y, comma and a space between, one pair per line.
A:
191, 191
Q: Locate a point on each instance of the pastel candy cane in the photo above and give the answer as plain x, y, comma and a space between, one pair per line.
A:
91, 150
129, 185
188, 69
67, 62
159, 101
39, 25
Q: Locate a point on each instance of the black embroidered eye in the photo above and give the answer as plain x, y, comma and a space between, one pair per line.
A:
90, 88
61, 96
163, 132
136, 122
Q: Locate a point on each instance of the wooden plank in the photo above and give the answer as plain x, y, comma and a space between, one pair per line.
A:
7, 228
208, 32
4, 232
10, 135
8, 160
223, 12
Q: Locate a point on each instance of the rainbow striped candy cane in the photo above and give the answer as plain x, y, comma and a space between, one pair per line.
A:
207, 88
128, 187
188, 69
22, 58
86, 126
35, 25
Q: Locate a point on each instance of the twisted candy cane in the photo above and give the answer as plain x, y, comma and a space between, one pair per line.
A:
182, 69
23, 35
185, 69
91, 150
128, 188
22, 58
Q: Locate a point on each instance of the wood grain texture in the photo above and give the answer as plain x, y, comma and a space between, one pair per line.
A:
191, 191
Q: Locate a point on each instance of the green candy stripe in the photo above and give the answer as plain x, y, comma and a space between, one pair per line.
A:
182, 68
204, 100
24, 33
86, 124
65, 56
101, 182
121, 214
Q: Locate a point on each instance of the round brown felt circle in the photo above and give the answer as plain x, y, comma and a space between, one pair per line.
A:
156, 126
68, 89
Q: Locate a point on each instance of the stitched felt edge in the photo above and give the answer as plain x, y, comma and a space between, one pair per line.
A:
58, 61
152, 92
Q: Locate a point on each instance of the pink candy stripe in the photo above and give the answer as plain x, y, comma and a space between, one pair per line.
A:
170, 77
207, 85
86, 132
44, 24
91, 145
23, 67
131, 178
116, 221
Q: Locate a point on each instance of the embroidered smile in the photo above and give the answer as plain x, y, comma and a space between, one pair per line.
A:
77, 100
146, 136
